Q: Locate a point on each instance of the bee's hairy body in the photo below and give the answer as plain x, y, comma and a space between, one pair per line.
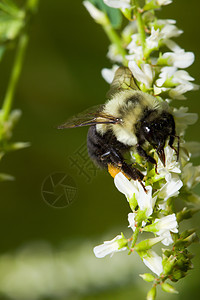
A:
130, 107
130, 118
107, 143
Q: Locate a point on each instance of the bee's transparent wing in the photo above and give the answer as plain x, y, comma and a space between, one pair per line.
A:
123, 80
91, 116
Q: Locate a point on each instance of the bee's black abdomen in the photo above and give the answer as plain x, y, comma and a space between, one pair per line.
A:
100, 147
106, 149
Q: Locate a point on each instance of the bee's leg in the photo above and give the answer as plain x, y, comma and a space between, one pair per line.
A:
171, 141
143, 153
117, 160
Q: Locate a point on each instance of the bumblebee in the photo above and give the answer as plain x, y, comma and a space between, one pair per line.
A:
130, 118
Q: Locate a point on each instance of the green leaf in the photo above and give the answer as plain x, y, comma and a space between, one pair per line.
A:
114, 14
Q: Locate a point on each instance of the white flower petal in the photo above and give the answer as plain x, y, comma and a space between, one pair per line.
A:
171, 188
158, 90
167, 223
125, 186
118, 3
167, 238
144, 75
113, 54
183, 119
95, 13
179, 90
154, 262
191, 175
180, 59
173, 46
169, 31
193, 148
108, 74
145, 200
163, 2
153, 40
171, 163
131, 220
108, 247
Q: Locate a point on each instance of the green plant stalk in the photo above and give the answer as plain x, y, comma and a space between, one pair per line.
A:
134, 237
31, 7
140, 24
18, 61
115, 39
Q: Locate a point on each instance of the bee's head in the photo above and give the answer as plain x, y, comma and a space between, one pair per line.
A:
156, 129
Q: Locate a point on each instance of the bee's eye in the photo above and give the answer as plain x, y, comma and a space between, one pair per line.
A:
147, 129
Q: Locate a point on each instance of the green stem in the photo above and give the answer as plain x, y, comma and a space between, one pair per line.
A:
135, 236
115, 39
30, 7
8, 100
140, 24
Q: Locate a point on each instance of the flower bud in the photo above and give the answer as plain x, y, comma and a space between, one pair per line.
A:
152, 294
186, 214
147, 277
168, 264
166, 287
147, 244
177, 275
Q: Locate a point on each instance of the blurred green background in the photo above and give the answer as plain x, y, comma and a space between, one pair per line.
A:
61, 76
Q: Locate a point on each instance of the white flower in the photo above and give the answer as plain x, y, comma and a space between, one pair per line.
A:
125, 186
169, 31
191, 175
129, 188
153, 40
171, 188
167, 238
164, 226
158, 90
173, 46
178, 91
163, 2
176, 76
180, 78
145, 74
95, 13
132, 223
118, 3
145, 201
133, 45
193, 148
113, 54
129, 30
108, 74
153, 261
165, 21
171, 163
179, 59
135, 50
131, 220
109, 247
183, 119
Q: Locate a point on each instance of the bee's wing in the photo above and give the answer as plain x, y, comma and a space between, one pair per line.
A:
123, 80
91, 116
